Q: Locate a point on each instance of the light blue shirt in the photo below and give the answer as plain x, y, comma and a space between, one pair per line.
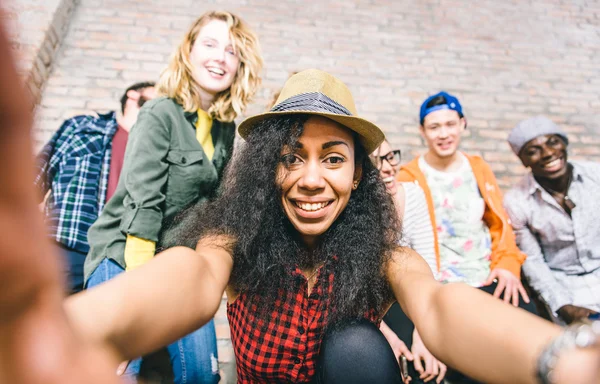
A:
557, 245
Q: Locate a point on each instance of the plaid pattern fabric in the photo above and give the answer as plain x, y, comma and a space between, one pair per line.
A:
74, 166
284, 350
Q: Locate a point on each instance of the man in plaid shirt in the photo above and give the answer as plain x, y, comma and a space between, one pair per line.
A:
78, 171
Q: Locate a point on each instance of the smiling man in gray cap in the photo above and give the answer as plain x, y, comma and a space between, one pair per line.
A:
552, 214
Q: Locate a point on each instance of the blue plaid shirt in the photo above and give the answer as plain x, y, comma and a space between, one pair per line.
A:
74, 166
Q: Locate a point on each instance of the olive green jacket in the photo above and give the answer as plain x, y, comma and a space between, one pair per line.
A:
165, 170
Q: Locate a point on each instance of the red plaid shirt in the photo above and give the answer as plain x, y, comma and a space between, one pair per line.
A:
286, 350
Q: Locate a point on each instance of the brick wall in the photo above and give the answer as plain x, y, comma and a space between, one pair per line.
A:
35, 30
506, 60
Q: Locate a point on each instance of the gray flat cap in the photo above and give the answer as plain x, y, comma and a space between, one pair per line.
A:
531, 128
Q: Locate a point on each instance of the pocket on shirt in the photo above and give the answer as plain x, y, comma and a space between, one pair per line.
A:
185, 176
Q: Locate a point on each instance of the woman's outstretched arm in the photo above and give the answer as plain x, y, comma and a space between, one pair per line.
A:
175, 293
466, 328
36, 342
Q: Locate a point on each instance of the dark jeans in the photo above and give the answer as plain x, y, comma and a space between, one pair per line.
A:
73, 262
356, 352
403, 327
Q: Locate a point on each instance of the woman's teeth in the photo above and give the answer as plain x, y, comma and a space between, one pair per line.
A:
311, 206
216, 71
388, 179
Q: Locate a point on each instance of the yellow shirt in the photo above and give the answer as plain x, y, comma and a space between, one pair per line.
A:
203, 133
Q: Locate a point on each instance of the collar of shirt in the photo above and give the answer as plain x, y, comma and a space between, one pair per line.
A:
534, 186
192, 117
105, 124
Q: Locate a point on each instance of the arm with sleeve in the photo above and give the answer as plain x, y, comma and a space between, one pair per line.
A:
48, 160
138, 251
417, 228
536, 270
505, 253
146, 173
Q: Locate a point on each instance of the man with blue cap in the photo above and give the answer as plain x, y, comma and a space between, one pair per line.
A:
474, 242
551, 212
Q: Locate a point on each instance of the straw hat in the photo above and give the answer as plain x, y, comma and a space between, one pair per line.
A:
315, 92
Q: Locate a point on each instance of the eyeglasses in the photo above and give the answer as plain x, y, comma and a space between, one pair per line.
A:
392, 157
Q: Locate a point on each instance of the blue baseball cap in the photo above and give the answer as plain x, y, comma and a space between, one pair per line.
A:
451, 103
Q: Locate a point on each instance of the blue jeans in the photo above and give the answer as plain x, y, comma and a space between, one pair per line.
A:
194, 358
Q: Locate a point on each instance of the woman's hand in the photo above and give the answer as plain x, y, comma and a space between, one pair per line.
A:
433, 367
397, 345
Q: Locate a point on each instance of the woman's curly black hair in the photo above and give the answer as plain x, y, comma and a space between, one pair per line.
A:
267, 246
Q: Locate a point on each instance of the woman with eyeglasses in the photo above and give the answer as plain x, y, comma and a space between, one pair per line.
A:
410, 202
417, 234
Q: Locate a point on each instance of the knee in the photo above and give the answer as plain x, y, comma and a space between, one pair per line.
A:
351, 337
356, 352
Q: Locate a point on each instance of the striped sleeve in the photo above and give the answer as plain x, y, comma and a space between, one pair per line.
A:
417, 231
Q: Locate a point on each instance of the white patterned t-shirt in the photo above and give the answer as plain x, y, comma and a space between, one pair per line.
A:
463, 237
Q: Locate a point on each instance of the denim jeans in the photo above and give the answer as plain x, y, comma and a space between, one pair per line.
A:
194, 358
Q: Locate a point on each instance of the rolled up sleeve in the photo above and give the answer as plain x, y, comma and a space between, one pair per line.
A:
145, 174
536, 270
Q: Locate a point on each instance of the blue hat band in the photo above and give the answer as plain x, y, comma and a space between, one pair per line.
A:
435, 108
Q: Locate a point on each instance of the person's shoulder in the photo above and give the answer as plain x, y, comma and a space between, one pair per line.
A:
408, 171
85, 119
589, 169
162, 105
161, 113
477, 161
519, 193
98, 123
412, 189
520, 188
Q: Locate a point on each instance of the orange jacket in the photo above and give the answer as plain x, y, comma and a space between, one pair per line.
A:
505, 253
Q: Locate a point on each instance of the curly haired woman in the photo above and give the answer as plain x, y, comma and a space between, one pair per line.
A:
303, 239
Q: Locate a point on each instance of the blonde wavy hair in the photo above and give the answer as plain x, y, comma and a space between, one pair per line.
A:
177, 81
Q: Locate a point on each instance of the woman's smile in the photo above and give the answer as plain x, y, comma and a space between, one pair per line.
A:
312, 210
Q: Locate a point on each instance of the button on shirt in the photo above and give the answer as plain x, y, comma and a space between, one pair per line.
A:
563, 252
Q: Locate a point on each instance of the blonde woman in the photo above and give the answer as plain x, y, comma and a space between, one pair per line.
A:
176, 154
